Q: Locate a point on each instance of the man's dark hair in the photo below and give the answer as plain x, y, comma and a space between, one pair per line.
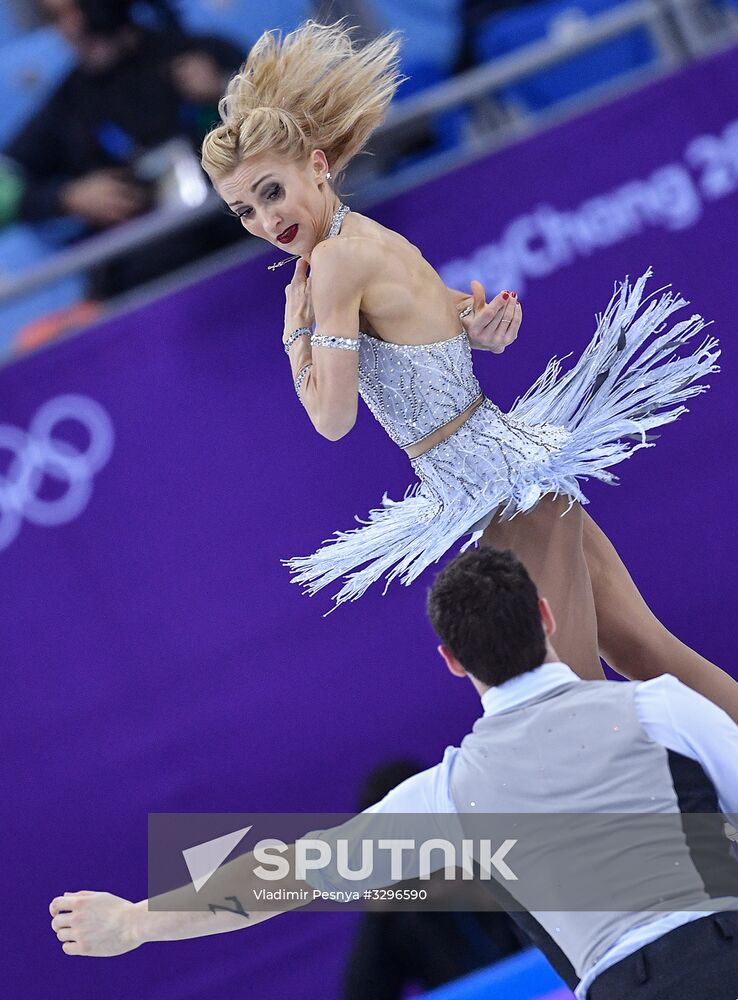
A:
484, 607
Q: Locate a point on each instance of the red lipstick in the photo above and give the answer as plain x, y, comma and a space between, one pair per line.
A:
288, 235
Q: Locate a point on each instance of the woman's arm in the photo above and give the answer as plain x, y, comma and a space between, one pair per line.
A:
331, 296
490, 326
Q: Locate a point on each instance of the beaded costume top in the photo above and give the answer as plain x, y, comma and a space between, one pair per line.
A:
412, 390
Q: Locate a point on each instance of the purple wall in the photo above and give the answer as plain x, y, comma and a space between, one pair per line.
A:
157, 657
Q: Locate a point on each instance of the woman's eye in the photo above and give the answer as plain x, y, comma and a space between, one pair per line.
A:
274, 192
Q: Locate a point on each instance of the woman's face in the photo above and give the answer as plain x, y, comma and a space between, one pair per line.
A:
280, 201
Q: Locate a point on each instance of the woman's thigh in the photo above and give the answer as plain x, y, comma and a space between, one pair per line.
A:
625, 623
549, 542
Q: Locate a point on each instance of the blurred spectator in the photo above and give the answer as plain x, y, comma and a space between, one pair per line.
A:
26, 15
134, 88
398, 949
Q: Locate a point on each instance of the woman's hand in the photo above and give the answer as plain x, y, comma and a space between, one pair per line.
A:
298, 307
96, 924
491, 326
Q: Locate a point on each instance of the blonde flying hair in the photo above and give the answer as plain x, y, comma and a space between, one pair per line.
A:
312, 89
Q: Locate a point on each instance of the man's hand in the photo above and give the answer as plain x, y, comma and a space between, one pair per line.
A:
96, 924
298, 307
103, 197
491, 326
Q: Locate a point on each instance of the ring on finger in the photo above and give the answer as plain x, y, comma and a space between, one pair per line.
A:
509, 323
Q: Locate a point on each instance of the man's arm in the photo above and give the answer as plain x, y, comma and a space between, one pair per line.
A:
101, 925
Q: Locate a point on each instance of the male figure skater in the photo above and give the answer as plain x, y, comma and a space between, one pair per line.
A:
546, 742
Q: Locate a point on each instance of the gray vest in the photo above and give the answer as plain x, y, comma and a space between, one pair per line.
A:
580, 749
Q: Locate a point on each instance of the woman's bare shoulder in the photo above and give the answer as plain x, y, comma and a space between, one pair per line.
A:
347, 257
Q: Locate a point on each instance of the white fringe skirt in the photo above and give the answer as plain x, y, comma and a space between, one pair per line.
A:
567, 427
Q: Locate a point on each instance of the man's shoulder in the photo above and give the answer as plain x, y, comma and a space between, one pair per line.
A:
664, 683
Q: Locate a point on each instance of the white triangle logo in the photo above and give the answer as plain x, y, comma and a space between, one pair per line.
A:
203, 860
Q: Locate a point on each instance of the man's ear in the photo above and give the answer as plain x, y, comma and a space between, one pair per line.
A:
547, 617
451, 662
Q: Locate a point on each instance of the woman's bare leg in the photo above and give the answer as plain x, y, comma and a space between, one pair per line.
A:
551, 549
632, 639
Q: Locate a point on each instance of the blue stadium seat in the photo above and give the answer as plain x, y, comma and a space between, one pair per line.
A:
20, 248
449, 127
31, 67
432, 30
242, 20
509, 30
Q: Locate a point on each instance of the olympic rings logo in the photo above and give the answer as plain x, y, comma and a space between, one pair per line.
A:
37, 454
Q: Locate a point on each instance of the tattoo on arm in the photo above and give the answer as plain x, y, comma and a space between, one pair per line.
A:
236, 908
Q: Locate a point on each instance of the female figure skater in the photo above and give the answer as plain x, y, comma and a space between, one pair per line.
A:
387, 328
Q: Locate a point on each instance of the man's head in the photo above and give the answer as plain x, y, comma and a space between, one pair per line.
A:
486, 611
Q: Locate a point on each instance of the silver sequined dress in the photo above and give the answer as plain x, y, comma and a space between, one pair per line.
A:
567, 427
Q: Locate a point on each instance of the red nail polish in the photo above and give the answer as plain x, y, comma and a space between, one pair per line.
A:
505, 295
514, 294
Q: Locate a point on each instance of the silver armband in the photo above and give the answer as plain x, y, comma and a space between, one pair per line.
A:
345, 343
300, 378
301, 331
